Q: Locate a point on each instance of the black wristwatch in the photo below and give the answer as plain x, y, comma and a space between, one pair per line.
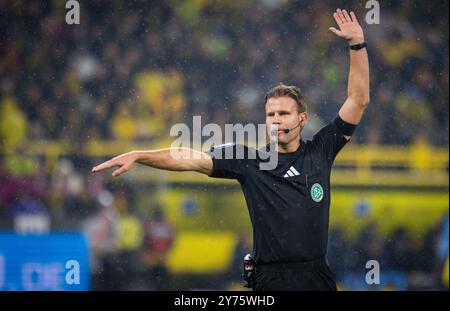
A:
357, 47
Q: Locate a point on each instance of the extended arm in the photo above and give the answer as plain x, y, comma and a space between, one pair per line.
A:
173, 159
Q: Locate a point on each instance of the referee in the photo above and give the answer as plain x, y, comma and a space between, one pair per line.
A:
289, 205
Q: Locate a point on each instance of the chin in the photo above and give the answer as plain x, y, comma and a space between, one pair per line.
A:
282, 142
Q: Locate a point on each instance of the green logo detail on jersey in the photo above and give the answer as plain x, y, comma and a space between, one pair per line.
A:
317, 192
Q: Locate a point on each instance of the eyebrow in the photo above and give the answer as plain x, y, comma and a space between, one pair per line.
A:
279, 111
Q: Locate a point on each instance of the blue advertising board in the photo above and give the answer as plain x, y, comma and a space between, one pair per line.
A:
42, 262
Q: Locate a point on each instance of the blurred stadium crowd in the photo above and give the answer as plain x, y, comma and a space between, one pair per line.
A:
132, 69
163, 62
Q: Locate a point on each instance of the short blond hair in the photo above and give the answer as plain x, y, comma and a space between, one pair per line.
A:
291, 91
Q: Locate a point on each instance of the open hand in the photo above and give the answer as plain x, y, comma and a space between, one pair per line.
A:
349, 28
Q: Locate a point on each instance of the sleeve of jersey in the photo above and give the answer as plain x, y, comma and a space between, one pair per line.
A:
228, 161
330, 139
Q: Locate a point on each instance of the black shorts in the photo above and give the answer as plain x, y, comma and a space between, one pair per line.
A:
303, 276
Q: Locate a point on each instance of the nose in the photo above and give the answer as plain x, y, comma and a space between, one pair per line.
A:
276, 119
274, 127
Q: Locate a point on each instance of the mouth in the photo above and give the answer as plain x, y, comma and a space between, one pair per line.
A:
277, 130
278, 134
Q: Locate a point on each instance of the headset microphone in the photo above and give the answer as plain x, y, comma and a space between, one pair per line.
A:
288, 130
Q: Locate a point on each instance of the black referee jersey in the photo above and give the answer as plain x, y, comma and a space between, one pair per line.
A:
288, 206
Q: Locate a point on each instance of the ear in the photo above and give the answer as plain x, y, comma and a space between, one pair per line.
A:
303, 119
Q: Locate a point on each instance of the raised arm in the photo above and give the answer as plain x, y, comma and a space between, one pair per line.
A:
358, 79
185, 159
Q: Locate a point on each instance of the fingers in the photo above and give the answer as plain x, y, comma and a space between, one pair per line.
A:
353, 17
346, 16
103, 166
341, 16
124, 163
120, 171
108, 164
335, 31
337, 19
